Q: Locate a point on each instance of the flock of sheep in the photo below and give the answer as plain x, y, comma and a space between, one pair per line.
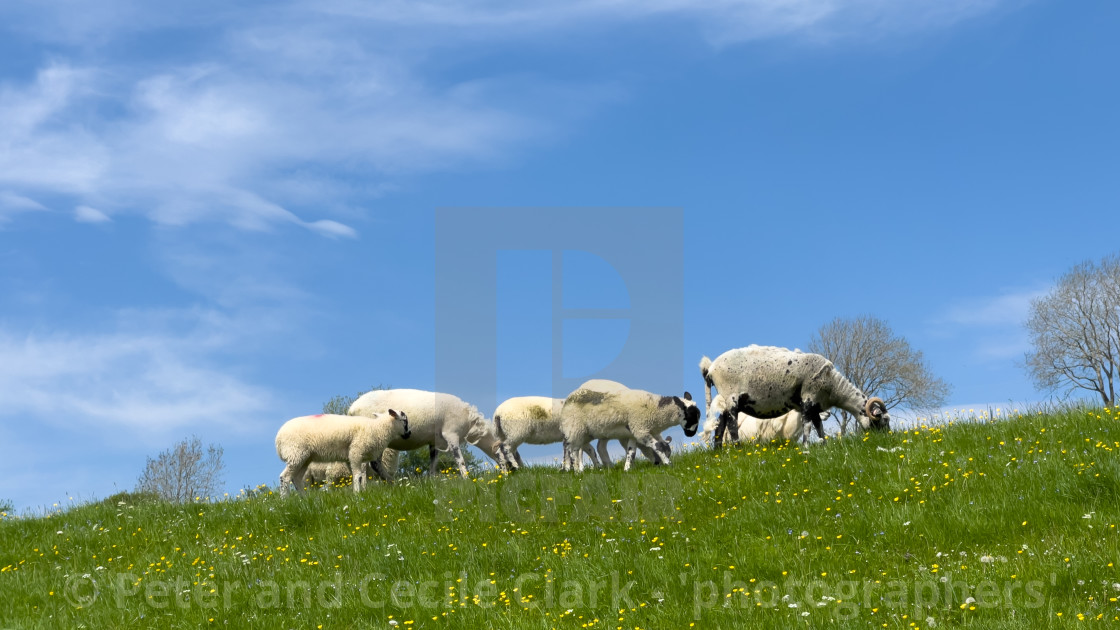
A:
764, 392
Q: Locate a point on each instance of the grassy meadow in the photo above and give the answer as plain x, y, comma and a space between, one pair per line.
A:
1008, 523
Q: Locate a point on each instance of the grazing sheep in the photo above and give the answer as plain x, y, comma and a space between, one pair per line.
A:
328, 473
334, 438
441, 422
766, 382
789, 426
531, 420
631, 415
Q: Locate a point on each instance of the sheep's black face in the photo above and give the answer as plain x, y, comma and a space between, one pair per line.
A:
691, 420
664, 451
402, 422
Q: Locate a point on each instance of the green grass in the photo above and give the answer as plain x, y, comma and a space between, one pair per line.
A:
871, 531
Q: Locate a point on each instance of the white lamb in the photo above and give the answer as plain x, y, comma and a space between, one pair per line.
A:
329, 473
440, 422
789, 426
766, 382
334, 438
630, 415
532, 420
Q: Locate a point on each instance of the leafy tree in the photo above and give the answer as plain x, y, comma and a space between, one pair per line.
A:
1075, 331
880, 363
183, 472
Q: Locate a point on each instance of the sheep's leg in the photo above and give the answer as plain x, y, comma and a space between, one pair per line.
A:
733, 427
358, 471
380, 470
433, 460
631, 452
509, 463
604, 456
721, 426
517, 457
285, 481
591, 455
390, 462
297, 473
812, 413
458, 453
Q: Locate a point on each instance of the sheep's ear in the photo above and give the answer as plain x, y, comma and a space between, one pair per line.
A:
687, 396
668, 439
393, 413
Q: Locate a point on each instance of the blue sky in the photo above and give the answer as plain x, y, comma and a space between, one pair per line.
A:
214, 218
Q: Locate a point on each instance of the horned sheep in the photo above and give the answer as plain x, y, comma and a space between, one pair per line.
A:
336, 438
627, 415
441, 422
766, 382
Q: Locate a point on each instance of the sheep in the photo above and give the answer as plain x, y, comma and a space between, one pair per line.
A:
328, 473
766, 382
532, 420
789, 426
336, 438
440, 421
632, 415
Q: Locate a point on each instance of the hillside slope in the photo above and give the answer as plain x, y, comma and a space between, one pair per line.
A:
895, 531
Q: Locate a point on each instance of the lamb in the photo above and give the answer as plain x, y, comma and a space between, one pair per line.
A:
789, 426
766, 382
532, 420
335, 438
328, 473
631, 415
442, 422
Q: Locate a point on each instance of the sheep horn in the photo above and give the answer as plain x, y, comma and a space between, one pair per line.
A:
870, 408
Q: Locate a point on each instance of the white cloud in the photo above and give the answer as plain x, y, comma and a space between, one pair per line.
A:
11, 203
148, 383
86, 214
1008, 309
722, 21
295, 115
993, 326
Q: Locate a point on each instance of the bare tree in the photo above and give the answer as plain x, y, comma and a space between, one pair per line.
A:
880, 363
1075, 331
183, 472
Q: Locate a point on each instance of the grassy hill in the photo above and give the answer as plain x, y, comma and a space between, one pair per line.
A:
1004, 524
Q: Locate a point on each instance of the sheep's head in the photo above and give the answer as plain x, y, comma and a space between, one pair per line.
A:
479, 429
400, 420
691, 415
875, 416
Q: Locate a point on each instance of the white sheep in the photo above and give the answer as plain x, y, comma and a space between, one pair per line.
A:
441, 422
789, 426
327, 473
532, 420
633, 416
335, 438
766, 382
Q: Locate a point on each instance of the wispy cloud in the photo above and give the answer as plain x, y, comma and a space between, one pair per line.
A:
1008, 309
724, 21
293, 114
86, 214
993, 324
11, 204
148, 383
